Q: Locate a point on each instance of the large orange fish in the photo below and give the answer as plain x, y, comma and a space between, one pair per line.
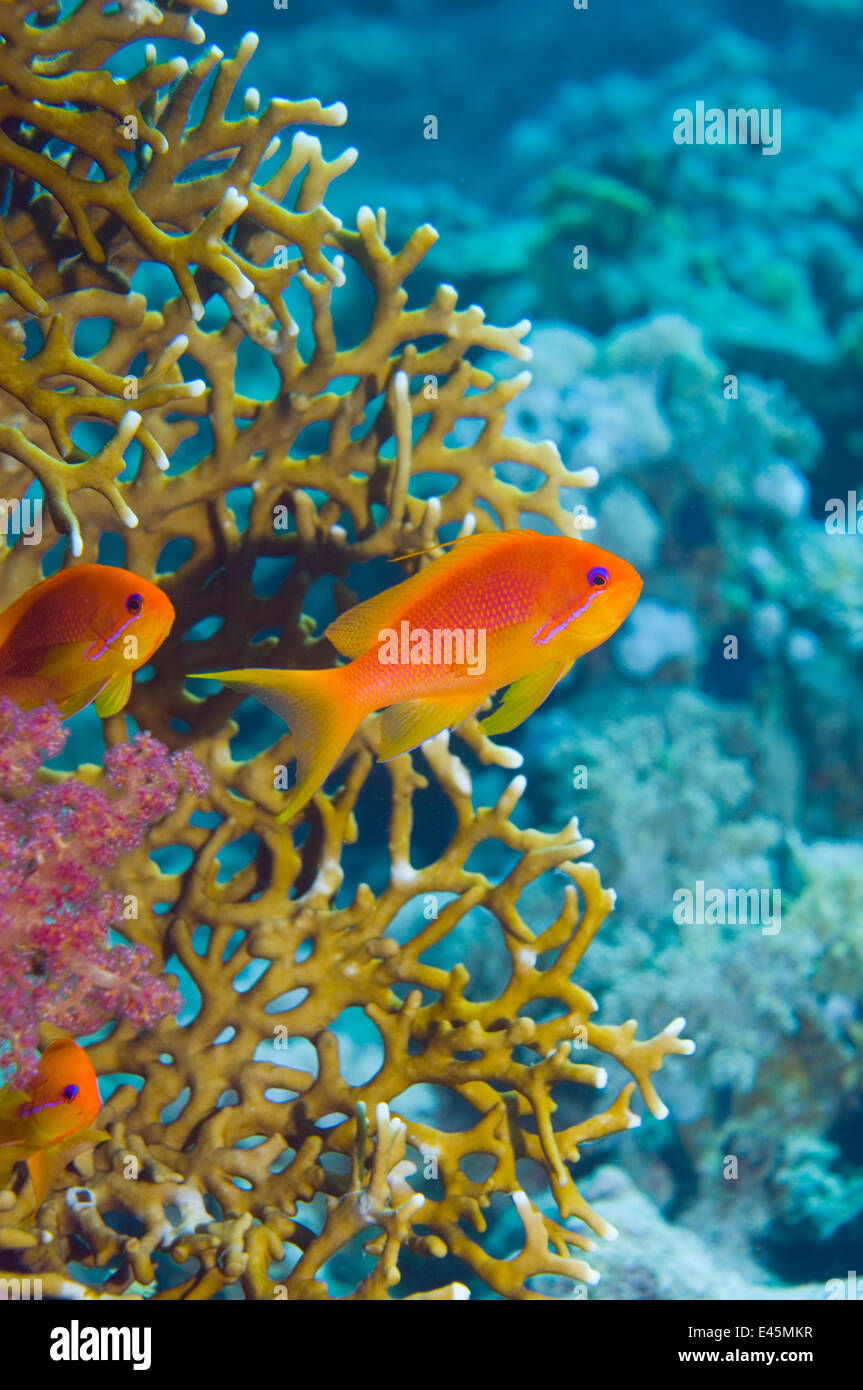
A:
50, 1125
80, 636
507, 608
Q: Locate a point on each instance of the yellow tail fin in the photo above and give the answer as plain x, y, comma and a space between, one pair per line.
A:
317, 708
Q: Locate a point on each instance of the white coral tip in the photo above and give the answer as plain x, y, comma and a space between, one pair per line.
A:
510, 757
587, 477
234, 201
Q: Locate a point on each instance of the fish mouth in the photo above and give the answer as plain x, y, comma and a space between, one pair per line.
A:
164, 628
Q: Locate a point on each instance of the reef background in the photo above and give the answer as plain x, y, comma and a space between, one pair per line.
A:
556, 131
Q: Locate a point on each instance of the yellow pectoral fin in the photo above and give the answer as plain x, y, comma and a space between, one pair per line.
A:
46, 1165
409, 724
86, 1139
115, 695
522, 698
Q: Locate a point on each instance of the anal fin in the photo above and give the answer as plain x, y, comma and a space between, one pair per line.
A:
73, 703
409, 724
523, 697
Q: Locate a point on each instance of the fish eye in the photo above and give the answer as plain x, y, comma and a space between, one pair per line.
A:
134, 603
598, 577
70, 1092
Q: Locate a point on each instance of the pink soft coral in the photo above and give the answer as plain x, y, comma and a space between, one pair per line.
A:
56, 963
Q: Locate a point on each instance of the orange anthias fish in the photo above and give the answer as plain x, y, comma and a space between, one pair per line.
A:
507, 608
80, 636
50, 1125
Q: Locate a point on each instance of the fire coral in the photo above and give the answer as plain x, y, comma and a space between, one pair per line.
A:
237, 491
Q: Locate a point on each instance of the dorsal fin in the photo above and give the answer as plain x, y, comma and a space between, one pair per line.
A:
357, 630
438, 545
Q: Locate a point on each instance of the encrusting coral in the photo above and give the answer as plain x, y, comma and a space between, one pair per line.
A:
252, 1171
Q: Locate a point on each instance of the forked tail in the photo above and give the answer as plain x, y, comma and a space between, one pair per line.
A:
318, 710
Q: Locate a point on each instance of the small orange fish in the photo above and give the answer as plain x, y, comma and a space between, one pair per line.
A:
49, 1126
80, 636
506, 608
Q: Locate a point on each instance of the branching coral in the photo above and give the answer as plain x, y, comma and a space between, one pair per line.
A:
246, 1136
227, 1072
